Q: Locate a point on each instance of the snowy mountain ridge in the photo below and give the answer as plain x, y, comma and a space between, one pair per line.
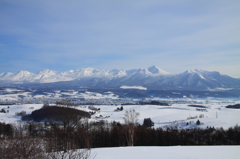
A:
48, 76
150, 78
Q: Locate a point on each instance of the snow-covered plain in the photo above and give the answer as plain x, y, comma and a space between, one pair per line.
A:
10, 117
176, 116
170, 152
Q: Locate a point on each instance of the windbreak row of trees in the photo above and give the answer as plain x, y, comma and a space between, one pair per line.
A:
31, 140
104, 134
117, 136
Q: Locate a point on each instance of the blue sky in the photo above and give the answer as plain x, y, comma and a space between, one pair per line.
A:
175, 35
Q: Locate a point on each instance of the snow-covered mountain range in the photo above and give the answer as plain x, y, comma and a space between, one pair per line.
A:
152, 77
49, 76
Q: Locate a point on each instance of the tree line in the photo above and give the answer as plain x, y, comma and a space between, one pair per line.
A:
33, 140
114, 134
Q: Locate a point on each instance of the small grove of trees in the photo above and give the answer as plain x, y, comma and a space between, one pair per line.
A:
21, 113
119, 109
236, 106
56, 114
6, 130
154, 103
93, 108
3, 111
148, 122
198, 122
65, 102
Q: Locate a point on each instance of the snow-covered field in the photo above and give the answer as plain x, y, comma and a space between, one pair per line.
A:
10, 117
176, 115
170, 152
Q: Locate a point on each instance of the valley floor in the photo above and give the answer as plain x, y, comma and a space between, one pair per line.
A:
177, 116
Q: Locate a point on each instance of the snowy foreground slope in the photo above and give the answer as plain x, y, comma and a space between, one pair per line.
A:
170, 152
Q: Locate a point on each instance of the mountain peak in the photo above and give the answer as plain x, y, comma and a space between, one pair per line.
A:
23, 73
156, 70
199, 71
46, 73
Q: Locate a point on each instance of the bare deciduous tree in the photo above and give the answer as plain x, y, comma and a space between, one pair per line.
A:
27, 148
72, 154
32, 148
130, 119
